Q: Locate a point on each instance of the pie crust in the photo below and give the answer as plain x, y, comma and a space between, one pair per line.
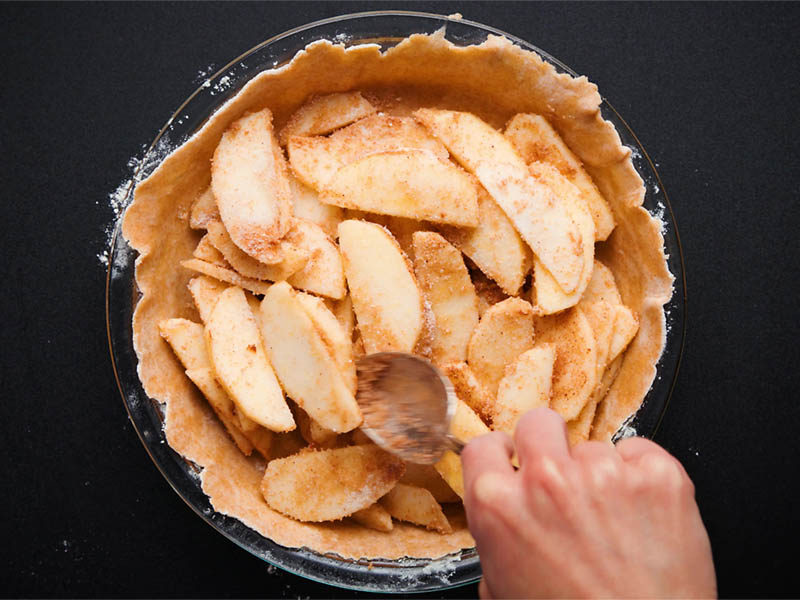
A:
494, 80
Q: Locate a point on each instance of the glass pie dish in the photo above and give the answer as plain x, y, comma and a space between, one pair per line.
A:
385, 29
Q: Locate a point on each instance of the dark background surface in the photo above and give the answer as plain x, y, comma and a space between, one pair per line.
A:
710, 90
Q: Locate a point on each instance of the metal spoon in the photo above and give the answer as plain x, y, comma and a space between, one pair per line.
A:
408, 405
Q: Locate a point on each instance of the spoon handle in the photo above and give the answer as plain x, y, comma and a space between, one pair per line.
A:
454, 444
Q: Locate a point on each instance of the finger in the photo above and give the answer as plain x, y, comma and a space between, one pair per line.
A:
483, 590
541, 433
591, 452
487, 459
632, 449
602, 465
490, 452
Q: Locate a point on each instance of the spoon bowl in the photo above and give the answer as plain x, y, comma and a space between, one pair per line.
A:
408, 405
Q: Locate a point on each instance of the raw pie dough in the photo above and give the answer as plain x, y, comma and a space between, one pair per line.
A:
494, 80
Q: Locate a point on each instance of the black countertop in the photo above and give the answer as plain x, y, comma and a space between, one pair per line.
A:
711, 90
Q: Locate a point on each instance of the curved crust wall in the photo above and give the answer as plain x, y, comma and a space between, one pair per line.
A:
494, 80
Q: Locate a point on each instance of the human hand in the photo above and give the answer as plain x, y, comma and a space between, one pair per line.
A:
593, 521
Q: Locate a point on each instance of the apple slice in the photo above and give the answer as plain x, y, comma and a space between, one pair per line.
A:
314, 160
262, 440
468, 138
626, 324
543, 221
602, 286
375, 517
548, 298
206, 251
338, 342
294, 258
205, 291
249, 182
358, 345
330, 484
601, 316
386, 298
204, 210
416, 505
489, 293
323, 273
403, 230
427, 477
405, 183
469, 389
494, 245
226, 275
575, 368
343, 311
303, 362
579, 429
241, 365
222, 406
547, 295
323, 114
465, 426
505, 331
246, 424
536, 140
306, 205
186, 339
446, 285
314, 433
527, 384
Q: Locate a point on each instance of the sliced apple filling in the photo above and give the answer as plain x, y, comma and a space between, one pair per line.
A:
434, 233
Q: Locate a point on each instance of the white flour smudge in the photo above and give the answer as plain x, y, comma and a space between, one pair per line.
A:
627, 430
659, 214
222, 84
342, 38
203, 74
138, 167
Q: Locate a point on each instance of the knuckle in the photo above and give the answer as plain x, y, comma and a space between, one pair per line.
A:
590, 452
638, 445
637, 482
663, 472
488, 489
546, 474
603, 474
477, 446
541, 414
470, 452
490, 502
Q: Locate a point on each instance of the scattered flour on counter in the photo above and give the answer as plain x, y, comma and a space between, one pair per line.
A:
116, 201
222, 84
656, 189
203, 75
659, 215
341, 38
138, 167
